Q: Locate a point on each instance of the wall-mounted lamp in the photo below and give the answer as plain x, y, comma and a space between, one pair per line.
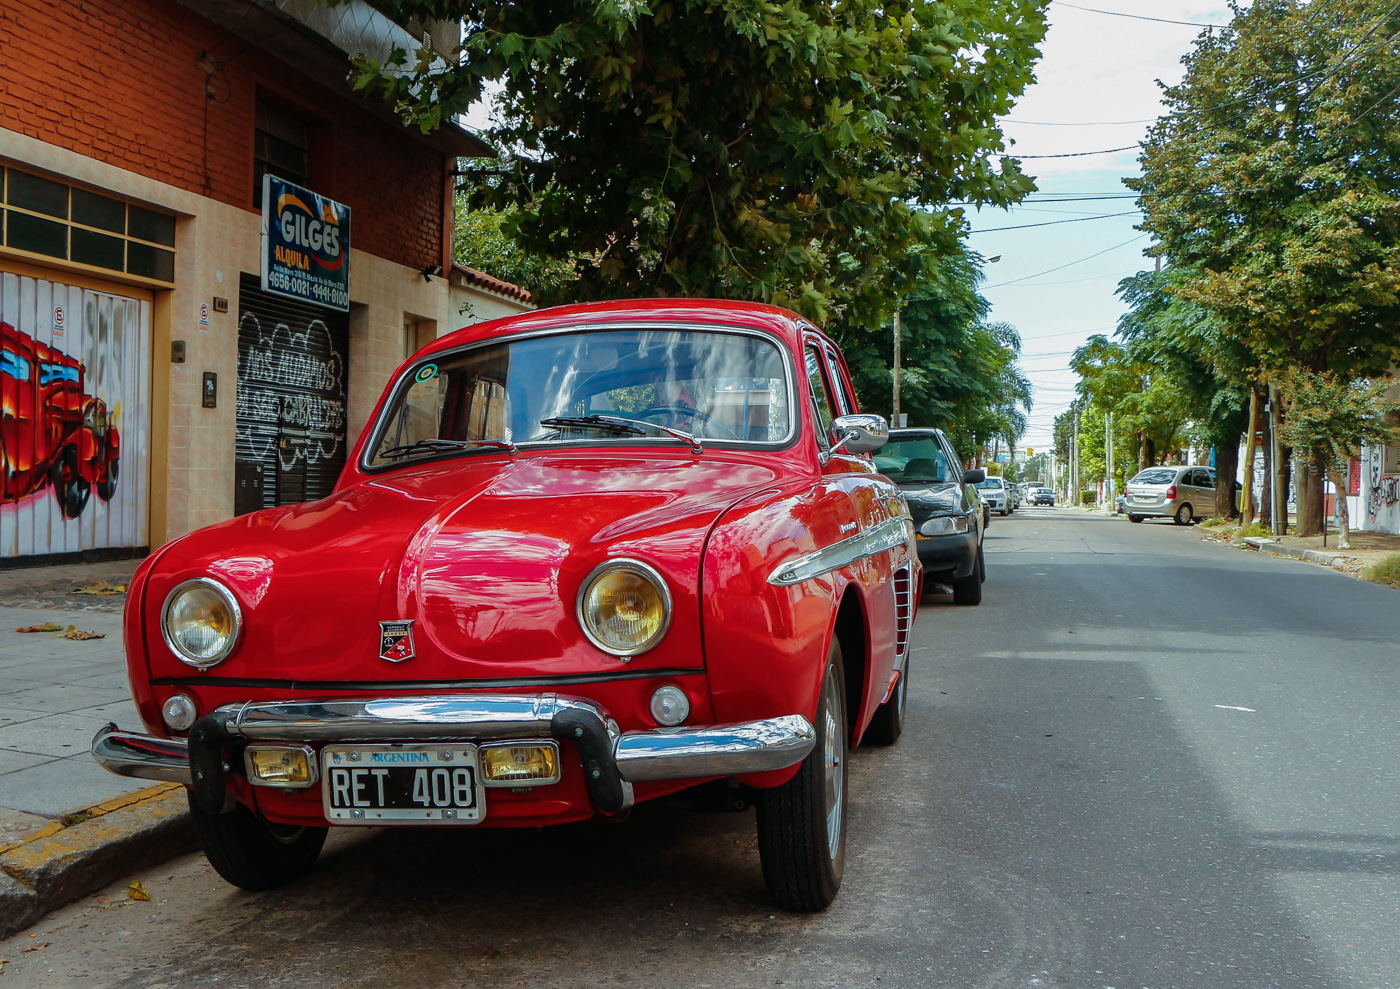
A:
430, 271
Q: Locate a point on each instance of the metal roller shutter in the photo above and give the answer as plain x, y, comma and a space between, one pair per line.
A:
290, 444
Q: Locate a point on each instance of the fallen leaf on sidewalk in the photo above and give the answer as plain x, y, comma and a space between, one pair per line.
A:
46, 627
78, 635
137, 891
34, 947
102, 587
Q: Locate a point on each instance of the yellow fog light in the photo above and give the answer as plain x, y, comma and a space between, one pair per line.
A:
520, 764
624, 607
280, 765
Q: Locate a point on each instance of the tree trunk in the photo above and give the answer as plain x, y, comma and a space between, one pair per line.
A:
1342, 468
1317, 501
1227, 460
1151, 451
1266, 492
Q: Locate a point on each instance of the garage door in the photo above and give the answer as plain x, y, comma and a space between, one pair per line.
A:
74, 418
291, 399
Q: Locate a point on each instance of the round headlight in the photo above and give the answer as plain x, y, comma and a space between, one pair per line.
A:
201, 622
624, 607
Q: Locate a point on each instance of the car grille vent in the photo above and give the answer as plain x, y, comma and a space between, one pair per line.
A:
903, 611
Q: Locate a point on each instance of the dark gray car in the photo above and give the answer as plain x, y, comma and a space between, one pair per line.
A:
943, 500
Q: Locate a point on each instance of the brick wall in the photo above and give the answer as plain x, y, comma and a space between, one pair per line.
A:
122, 81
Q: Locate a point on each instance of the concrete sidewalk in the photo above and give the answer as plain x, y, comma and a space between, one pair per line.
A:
55, 693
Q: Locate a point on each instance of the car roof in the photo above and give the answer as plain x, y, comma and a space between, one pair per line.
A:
783, 323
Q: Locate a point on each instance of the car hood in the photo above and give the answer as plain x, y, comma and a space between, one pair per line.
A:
485, 554
926, 500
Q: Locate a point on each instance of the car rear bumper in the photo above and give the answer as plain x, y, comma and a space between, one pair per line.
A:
613, 760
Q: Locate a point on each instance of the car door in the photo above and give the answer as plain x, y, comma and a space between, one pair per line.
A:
868, 499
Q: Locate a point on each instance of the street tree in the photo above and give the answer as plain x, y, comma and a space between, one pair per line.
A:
1330, 418
1273, 181
789, 151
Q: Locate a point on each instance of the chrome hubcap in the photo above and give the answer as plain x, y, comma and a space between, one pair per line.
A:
834, 764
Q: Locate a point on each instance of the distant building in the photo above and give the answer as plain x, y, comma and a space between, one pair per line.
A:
167, 362
1375, 479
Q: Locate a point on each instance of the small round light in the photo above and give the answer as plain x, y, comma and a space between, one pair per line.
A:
201, 622
179, 712
624, 607
670, 706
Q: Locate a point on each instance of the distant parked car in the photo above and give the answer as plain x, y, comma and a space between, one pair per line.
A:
1182, 494
998, 498
948, 514
1014, 490
1042, 496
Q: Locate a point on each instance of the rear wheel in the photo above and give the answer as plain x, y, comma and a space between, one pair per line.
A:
253, 854
1134, 518
802, 824
107, 486
1184, 515
68, 485
888, 723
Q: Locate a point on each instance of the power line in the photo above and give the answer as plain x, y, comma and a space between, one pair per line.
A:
1072, 154
1137, 17
1091, 123
1051, 223
1048, 271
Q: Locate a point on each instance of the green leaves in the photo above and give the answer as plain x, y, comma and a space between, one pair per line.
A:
795, 152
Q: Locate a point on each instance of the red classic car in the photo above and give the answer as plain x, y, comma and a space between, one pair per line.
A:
580, 558
51, 432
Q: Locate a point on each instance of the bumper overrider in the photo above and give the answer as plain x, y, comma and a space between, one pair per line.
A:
612, 760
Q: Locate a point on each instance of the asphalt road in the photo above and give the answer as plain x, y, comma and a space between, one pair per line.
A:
1145, 761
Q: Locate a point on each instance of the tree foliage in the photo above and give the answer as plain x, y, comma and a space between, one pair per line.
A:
484, 239
787, 151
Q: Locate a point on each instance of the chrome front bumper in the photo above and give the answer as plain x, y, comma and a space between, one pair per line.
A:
613, 760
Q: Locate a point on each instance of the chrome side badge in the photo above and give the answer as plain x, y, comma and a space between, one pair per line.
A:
396, 640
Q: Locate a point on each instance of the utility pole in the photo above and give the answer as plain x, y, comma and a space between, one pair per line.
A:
895, 416
1108, 502
1277, 502
1074, 463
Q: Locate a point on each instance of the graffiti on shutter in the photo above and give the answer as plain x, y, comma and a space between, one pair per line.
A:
290, 445
74, 418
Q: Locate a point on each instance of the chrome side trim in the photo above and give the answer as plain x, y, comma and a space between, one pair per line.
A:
717, 750
142, 757
877, 539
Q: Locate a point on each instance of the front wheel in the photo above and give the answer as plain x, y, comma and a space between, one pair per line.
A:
252, 854
107, 486
802, 824
69, 487
1184, 515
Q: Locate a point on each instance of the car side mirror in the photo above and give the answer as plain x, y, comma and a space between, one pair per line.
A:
860, 433
975, 475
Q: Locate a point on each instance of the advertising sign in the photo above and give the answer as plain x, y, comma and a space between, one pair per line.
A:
306, 245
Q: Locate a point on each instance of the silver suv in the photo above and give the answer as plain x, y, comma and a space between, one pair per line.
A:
1182, 494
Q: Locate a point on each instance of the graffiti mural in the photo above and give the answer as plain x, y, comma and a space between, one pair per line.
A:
73, 383
1383, 490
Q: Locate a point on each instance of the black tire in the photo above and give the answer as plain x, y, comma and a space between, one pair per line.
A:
108, 485
68, 485
1134, 518
253, 854
968, 590
981, 566
802, 848
1184, 515
888, 723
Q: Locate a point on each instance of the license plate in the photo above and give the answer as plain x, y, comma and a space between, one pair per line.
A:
401, 784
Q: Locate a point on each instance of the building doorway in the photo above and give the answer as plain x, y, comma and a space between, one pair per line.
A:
290, 444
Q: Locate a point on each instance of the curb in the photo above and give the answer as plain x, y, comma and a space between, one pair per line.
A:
58, 864
1273, 547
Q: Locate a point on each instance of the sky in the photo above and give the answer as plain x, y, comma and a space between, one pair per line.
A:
1098, 74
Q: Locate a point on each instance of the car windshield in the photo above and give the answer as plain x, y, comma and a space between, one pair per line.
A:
917, 461
1155, 475
990, 484
637, 384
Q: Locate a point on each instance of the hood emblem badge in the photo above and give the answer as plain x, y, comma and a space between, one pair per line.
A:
396, 640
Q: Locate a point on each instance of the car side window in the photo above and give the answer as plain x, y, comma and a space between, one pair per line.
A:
820, 396
844, 399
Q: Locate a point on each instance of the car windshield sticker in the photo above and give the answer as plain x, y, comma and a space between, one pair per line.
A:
427, 372
396, 641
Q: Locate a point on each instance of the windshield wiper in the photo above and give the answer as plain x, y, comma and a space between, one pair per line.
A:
622, 426
435, 445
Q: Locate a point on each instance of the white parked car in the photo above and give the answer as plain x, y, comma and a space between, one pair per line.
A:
995, 493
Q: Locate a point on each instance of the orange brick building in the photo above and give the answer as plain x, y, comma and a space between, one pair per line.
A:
133, 244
